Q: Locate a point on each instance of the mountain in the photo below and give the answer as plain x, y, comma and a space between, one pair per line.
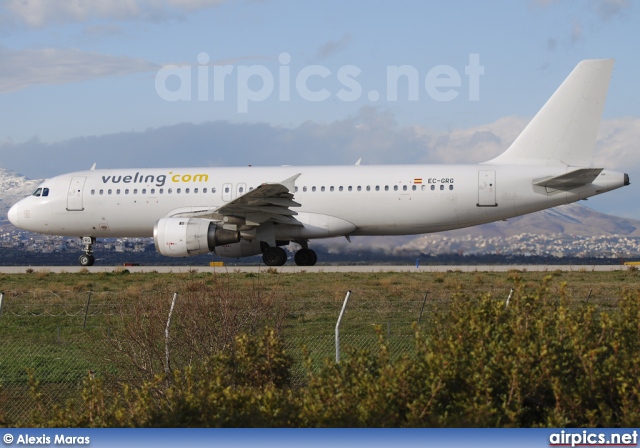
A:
13, 187
570, 219
565, 223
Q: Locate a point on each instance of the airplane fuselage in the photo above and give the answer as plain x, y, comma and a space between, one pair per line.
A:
335, 200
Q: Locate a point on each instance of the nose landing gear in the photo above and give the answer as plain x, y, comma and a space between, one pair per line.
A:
87, 259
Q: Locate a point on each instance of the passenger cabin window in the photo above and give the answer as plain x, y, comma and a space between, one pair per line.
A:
304, 189
331, 188
404, 188
395, 188
414, 188
313, 189
340, 189
433, 187
451, 187
441, 187
93, 192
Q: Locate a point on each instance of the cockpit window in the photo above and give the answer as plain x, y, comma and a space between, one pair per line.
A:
37, 192
45, 192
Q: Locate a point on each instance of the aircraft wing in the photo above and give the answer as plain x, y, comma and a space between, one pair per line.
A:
268, 202
571, 179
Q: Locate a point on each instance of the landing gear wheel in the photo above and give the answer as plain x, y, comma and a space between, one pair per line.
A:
305, 257
274, 256
86, 260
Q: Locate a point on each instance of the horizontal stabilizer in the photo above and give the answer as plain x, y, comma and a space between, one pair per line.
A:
570, 180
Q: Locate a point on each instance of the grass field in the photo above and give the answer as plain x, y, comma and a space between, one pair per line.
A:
61, 326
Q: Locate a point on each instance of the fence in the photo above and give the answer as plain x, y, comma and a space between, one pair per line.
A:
63, 336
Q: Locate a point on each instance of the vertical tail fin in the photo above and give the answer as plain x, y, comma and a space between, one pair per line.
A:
564, 131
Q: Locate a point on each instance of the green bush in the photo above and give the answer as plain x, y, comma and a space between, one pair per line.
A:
536, 362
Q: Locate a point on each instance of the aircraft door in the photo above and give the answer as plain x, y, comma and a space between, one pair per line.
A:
226, 192
74, 195
487, 188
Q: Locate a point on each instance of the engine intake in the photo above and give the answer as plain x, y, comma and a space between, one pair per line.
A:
187, 237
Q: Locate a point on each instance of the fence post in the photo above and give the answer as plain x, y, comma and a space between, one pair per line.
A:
1, 302
86, 311
423, 302
344, 306
586, 301
167, 368
509, 298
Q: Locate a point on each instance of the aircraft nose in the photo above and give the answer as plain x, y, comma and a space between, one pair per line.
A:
13, 215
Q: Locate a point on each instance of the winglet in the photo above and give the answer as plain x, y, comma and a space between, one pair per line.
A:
290, 183
358, 162
93, 167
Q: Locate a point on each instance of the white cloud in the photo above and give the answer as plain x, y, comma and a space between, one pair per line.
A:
617, 145
24, 68
39, 13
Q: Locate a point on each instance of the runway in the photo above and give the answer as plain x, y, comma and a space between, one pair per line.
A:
311, 269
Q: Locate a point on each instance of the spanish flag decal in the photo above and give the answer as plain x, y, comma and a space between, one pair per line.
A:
417, 180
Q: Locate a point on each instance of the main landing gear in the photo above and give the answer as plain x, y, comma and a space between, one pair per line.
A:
87, 258
277, 256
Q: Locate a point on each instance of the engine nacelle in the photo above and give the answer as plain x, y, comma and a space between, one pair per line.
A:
244, 248
186, 237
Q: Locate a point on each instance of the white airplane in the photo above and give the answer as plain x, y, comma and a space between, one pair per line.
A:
239, 212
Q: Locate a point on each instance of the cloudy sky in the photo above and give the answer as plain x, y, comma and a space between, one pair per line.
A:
155, 83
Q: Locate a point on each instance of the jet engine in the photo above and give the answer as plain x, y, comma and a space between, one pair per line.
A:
187, 237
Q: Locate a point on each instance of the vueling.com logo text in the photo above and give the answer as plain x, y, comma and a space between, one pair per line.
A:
158, 180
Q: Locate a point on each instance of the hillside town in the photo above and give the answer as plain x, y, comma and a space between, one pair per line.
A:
525, 244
